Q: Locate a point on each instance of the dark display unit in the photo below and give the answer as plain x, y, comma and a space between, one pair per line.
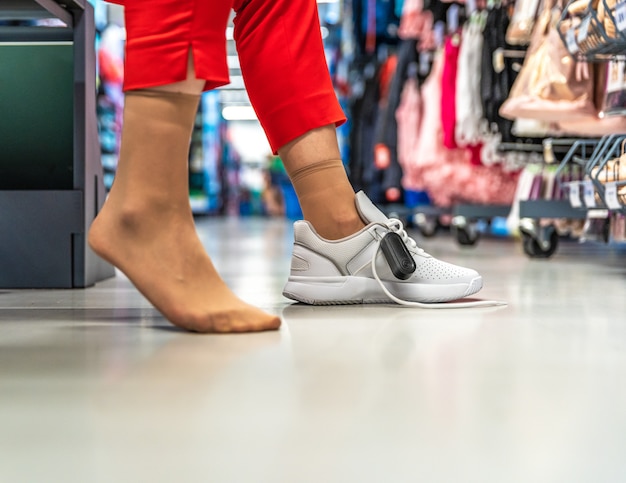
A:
51, 184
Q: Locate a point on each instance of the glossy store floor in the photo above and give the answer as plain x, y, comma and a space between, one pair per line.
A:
96, 387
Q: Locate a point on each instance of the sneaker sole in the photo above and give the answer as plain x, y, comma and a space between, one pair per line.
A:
361, 290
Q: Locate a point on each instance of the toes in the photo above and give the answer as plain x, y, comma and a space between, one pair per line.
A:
226, 321
257, 324
273, 324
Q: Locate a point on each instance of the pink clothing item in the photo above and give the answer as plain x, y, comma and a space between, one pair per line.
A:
415, 22
430, 149
429, 162
448, 99
408, 117
475, 154
447, 175
469, 108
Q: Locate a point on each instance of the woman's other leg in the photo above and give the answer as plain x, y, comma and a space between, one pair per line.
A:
146, 226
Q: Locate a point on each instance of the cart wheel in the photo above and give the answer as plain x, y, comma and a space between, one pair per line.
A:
534, 249
426, 225
465, 235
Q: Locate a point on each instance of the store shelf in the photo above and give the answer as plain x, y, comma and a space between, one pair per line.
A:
550, 209
472, 211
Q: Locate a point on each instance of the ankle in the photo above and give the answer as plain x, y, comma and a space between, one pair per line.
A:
136, 200
337, 225
140, 214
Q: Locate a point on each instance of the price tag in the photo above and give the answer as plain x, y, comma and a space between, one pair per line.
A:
598, 214
583, 30
574, 195
570, 40
620, 16
589, 194
610, 196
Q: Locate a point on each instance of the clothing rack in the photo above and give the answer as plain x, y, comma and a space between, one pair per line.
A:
599, 194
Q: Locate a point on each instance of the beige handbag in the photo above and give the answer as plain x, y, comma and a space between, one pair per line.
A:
552, 85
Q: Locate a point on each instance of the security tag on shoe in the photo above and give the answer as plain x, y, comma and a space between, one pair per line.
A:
398, 256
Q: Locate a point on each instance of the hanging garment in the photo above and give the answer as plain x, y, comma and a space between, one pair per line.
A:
439, 10
448, 79
364, 112
432, 165
447, 175
469, 109
431, 150
406, 60
387, 126
409, 117
375, 22
416, 23
496, 78
392, 73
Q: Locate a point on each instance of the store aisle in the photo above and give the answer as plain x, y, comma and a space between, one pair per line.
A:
96, 387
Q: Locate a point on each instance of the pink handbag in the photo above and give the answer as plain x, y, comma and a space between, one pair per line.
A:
552, 86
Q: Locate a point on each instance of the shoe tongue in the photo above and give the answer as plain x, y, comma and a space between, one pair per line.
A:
368, 210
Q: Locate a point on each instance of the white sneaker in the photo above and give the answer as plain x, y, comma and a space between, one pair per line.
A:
327, 272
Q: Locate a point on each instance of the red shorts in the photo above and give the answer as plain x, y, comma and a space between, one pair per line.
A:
280, 52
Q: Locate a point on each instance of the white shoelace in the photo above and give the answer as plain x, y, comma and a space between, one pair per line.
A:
396, 226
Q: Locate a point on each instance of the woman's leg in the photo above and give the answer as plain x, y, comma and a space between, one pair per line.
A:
313, 162
146, 227
284, 67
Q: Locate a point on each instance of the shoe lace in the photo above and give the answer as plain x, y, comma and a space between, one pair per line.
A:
396, 226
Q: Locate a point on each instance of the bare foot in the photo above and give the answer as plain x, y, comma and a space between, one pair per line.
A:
159, 251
